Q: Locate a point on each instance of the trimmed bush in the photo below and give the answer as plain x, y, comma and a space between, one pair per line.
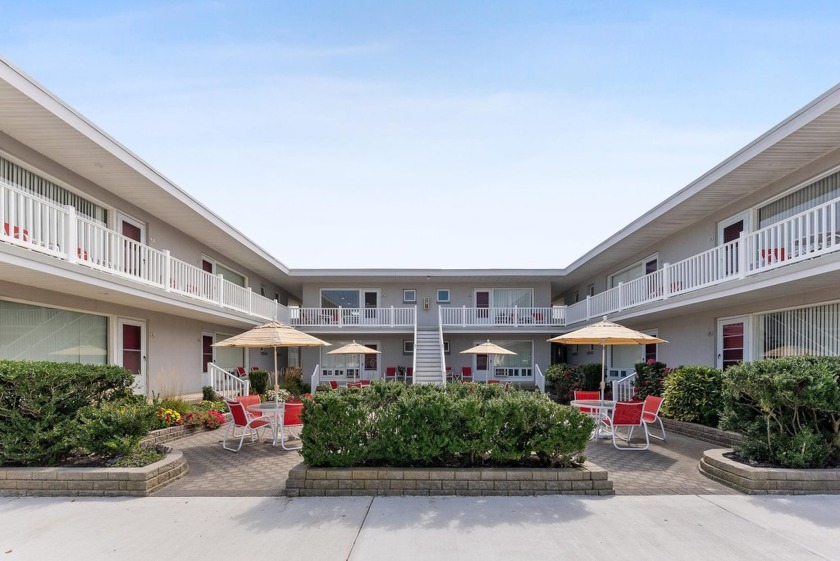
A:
650, 377
259, 381
40, 404
564, 379
694, 394
114, 429
456, 425
788, 410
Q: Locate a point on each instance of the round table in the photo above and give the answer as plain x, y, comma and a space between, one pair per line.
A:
274, 410
597, 408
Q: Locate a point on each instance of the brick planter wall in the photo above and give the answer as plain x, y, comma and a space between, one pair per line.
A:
308, 482
93, 482
162, 436
768, 481
706, 434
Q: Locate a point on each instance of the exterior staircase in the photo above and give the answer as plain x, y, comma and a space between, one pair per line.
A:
428, 369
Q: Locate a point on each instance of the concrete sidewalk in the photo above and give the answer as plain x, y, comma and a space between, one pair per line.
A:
407, 528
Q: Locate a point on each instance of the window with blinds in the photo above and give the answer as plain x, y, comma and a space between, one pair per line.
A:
37, 185
811, 331
37, 333
809, 196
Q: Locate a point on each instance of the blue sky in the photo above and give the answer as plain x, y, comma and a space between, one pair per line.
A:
429, 134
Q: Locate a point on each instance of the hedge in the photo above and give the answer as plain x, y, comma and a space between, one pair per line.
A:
45, 408
694, 394
464, 425
788, 410
565, 379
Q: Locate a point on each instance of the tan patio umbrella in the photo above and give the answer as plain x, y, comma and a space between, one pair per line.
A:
354, 348
487, 348
605, 333
272, 334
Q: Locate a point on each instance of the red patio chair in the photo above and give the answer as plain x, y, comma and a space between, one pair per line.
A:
247, 423
588, 395
333, 385
291, 421
409, 373
628, 414
650, 415
466, 374
391, 373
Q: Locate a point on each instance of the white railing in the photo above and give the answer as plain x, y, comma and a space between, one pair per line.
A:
32, 222
502, 317
808, 234
226, 384
41, 225
539, 378
195, 282
622, 389
105, 249
442, 353
315, 380
353, 317
414, 357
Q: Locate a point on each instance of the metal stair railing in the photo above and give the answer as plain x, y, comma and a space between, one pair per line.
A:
623, 389
226, 384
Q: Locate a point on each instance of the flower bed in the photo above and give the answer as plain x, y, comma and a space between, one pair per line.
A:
92, 482
768, 481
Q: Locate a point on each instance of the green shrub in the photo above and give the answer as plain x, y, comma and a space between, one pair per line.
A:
788, 410
564, 379
114, 429
456, 425
694, 394
40, 404
650, 377
208, 393
259, 381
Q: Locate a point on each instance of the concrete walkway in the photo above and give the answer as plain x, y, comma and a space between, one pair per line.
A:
684, 528
261, 470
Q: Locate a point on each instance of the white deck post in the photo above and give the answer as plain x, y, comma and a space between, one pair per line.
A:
221, 280
167, 271
742, 255
71, 244
666, 280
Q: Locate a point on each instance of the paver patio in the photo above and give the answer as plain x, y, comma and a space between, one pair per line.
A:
261, 470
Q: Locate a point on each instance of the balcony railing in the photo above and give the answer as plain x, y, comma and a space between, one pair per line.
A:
353, 317
808, 234
502, 317
41, 225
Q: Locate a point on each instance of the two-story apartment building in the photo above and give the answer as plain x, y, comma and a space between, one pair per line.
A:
103, 259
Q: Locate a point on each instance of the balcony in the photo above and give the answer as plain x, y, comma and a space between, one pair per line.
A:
811, 233
365, 318
38, 224
503, 317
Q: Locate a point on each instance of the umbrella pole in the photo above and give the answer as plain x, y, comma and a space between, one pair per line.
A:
603, 368
276, 377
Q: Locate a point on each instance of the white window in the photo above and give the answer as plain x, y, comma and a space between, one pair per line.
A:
443, 296
409, 296
802, 199
634, 271
519, 365
513, 297
813, 331
37, 333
